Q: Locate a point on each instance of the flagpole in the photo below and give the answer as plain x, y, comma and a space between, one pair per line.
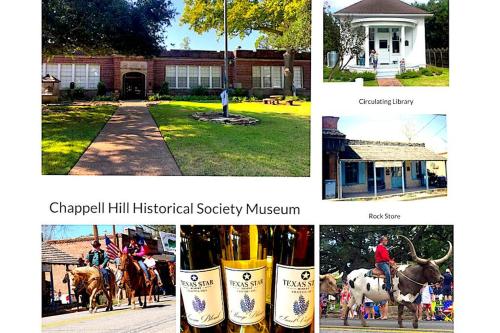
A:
225, 108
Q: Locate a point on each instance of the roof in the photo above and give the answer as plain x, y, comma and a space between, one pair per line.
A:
331, 132
382, 7
388, 151
52, 255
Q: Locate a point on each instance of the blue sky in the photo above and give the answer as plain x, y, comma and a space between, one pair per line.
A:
339, 4
206, 41
73, 231
428, 129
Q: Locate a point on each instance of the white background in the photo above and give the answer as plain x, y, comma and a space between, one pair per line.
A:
472, 203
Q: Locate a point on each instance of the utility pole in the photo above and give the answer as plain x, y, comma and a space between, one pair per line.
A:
225, 96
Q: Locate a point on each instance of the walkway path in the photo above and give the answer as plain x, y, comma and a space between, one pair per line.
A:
389, 82
129, 144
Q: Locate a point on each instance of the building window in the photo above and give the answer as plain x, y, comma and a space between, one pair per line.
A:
274, 77
371, 38
297, 77
85, 76
204, 76
182, 81
170, 76
351, 172
194, 76
66, 75
216, 77
395, 40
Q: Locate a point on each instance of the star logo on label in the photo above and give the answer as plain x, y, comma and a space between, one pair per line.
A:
194, 277
305, 275
247, 276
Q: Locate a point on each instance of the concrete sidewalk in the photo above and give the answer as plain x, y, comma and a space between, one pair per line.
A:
129, 144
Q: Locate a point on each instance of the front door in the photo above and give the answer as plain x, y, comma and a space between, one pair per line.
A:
384, 46
134, 85
396, 177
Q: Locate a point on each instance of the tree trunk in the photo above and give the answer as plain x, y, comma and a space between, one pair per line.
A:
288, 57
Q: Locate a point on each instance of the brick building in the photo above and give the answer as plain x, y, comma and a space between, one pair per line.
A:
75, 248
260, 72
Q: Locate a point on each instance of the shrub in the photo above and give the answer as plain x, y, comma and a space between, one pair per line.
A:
409, 75
426, 71
236, 99
435, 70
104, 98
199, 91
158, 97
164, 89
240, 92
367, 76
76, 93
253, 99
101, 89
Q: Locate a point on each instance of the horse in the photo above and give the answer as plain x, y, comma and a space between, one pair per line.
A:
133, 279
153, 286
91, 280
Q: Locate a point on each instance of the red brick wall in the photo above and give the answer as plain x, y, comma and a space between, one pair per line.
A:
239, 72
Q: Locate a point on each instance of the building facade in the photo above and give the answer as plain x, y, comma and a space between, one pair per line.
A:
394, 29
259, 73
360, 168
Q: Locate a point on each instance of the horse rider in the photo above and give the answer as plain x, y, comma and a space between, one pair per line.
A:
137, 252
151, 264
384, 262
98, 258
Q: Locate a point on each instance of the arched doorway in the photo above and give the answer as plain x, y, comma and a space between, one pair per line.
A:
134, 85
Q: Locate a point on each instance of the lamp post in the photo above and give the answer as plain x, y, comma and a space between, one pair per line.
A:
225, 96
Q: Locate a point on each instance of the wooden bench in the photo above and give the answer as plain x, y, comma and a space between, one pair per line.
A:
270, 101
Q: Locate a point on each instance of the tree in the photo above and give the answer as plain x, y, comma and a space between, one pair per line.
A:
100, 27
331, 31
351, 41
436, 27
186, 43
346, 248
284, 25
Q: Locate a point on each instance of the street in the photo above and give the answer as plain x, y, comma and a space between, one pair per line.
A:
381, 326
157, 317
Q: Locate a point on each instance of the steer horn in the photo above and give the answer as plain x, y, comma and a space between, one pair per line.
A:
413, 253
443, 259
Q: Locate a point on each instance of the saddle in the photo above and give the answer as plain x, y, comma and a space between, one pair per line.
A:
379, 274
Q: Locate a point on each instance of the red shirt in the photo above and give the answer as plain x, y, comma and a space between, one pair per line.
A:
381, 254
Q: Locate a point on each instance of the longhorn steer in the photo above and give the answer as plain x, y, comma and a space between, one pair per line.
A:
328, 282
407, 283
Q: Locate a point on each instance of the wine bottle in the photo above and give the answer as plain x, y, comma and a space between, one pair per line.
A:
246, 264
293, 279
200, 279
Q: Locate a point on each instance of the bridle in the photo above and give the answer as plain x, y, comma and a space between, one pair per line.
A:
416, 282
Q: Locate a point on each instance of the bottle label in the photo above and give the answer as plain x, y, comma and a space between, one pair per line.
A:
246, 295
294, 296
203, 298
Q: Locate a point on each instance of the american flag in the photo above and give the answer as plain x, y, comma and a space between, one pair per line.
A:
112, 250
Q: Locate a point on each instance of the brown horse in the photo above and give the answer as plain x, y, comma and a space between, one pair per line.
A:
91, 279
133, 279
152, 286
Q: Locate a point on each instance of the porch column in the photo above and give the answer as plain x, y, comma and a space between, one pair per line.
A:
340, 179
374, 179
402, 48
426, 178
367, 46
69, 286
403, 176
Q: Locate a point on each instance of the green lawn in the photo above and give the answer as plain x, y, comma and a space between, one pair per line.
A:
371, 83
66, 133
442, 80
278, 146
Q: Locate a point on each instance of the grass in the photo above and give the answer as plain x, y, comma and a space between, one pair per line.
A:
67, 131
372, 83
442, 80
278, 146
